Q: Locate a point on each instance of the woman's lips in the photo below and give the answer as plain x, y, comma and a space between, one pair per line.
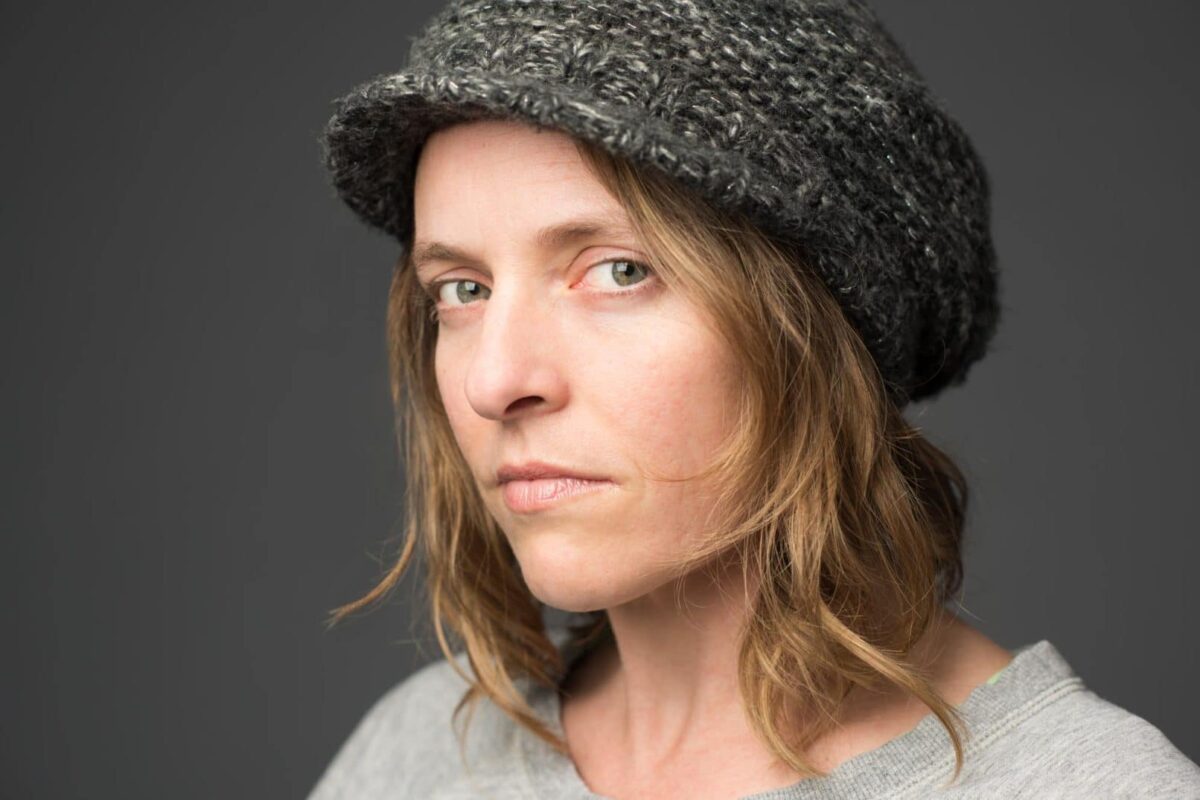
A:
542, 493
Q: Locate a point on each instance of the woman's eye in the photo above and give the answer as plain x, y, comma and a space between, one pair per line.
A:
461, 291
622, 271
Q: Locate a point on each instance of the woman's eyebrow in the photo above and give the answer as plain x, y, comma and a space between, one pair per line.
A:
550, 237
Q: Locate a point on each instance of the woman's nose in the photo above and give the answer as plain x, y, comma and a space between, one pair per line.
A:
515, 364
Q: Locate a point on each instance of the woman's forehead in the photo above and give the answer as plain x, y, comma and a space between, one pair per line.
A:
489, 179
501, 145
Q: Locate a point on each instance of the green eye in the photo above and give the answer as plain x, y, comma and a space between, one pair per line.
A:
624, 270
465, 290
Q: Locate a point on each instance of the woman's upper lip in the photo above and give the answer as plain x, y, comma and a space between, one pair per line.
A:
531, 470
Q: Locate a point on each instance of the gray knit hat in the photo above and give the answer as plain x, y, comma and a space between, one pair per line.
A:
805, 115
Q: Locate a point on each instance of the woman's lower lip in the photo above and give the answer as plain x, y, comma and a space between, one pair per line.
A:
535, 495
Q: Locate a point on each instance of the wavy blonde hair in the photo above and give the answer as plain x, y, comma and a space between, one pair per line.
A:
846, 519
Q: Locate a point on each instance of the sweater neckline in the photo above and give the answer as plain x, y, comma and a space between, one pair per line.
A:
1037, 673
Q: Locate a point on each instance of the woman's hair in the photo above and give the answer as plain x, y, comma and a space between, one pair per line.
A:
843, 517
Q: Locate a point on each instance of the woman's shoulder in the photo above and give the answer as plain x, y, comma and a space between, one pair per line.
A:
400, 730
1105, 749
1065, 740
405, 744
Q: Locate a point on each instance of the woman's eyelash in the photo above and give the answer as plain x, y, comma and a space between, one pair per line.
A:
435, 287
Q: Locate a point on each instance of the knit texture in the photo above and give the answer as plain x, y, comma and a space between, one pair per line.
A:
804, 115
1036, 732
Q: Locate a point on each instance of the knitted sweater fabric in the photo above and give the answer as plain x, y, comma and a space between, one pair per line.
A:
1036, 732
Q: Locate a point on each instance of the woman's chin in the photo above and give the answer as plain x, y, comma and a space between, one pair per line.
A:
576, 590
570, 593
581, 566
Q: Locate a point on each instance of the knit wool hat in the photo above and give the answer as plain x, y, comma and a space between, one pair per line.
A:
805, 115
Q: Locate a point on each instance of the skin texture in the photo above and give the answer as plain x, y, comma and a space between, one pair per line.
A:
564, 354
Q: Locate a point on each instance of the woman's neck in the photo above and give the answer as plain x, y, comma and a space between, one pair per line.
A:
645, 711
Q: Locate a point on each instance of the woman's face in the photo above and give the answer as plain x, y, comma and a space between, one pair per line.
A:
565, 350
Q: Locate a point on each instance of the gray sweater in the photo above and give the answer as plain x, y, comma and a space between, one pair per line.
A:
1037, 732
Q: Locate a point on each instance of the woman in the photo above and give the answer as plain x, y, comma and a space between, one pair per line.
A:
670, 273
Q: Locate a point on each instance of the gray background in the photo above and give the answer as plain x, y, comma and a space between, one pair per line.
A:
198, 455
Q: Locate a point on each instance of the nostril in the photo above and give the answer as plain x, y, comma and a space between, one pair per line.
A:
520, 404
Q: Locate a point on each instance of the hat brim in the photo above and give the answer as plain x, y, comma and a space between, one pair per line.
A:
374, 138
